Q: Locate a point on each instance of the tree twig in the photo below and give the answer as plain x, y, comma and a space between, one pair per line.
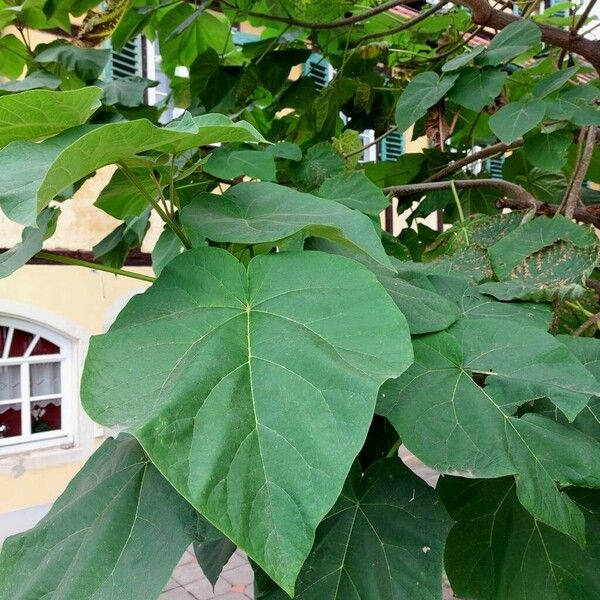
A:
375, 141
326, 25
406, 25
483, 14
67, 260
585, 214
457, 165
576, 27
508, 189
593, 320
587, 140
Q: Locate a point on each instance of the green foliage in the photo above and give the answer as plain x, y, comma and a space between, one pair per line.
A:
268, 375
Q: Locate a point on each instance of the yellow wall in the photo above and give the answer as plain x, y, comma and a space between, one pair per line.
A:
89, 300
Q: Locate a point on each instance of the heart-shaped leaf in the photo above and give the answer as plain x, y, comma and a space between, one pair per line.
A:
116, 510
252, 391
41, 113
498, 550
58, 162
454, 409
516, 119
389, 515
253, 213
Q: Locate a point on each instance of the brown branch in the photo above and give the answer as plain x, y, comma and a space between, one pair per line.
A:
576, 27
584, 214
486, 16
135, 258
325, 25
573, 193
593, 320
457, 165
508, 189
406, 25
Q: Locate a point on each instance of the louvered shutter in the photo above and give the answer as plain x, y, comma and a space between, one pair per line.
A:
392, 146
126, 62
494, 166
319, 70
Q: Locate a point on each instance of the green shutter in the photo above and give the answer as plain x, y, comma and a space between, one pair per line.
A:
319, 70
127, 62
391, 147
494, 166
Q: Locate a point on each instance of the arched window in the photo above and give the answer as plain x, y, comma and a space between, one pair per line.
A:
36, 403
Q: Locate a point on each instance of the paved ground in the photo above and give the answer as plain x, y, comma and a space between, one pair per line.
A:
235, 583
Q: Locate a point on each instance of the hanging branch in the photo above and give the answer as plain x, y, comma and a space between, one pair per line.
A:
406, 25
483, 14
373, 143
507, 188
587, 139
487, 152
584, 214
326, 25
593, 320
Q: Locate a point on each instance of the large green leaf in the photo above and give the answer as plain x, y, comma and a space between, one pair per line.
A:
516, 119
126, 91
252, 213
62, 160
543, 259
454, 409
383, 540
476, 88
37, 79
425, 310
355, 190
423, 91
252, 391
121, 198
497, 550
548, 150
41, 113
514, 39
86, 63
552, 82
117, 531
229, 163
32, 239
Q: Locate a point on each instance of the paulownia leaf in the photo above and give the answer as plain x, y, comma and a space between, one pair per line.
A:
167, 247
462, 59
37, 79
213, 555
32, 239
516, 119
126, 91
121, 198
355, 190
117, 531
552, 82
498, 550
383, 540
62, 160
476, 88
543, 259
472, 304
86, 63
514, 39
252, 213
423, 91
454, 410
41, 113
425, 311
252, 391
229, 163
548, 150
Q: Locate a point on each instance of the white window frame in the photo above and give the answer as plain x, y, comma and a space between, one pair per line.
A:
64, 437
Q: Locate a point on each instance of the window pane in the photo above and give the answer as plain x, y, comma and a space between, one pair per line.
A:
44, 347
45, 416
10, 382
20, 343
10, 420
44, 379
